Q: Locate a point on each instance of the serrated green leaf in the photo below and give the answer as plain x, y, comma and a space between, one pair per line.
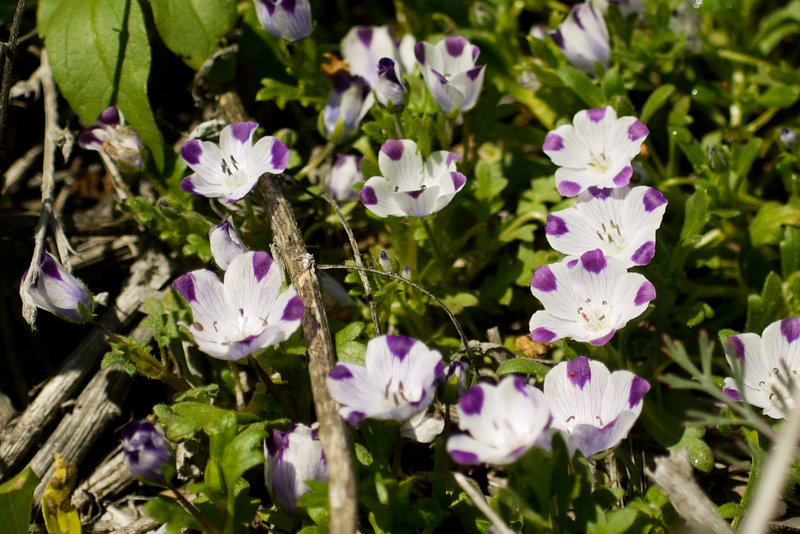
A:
16, 502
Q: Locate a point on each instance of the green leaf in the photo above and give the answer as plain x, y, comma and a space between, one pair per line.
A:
655, 101
243, 453
459, 301
193, 28
525, 366
766, 308
766, 227
169, 512
16, 502
697, 216
99, 53
778, 96
700, 453
349, 333
582, 86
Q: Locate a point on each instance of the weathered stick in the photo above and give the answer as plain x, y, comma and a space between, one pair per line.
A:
109, 478
22, 224
480, 503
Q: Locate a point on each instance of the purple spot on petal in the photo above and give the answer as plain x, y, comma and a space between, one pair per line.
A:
365, 36
438, 370
646, 293
280, 155
368, 196
558, 38
289, 6
639, 387
790, 328
439, 76
415, 194
572, 263
269, 5
594, 261
87, 138
49, 267
521, 385
601, 193
555, 226
386, 66
455, 45
419, 51
451, 157
574, 14
188, 186
399, 346
732, 394
293, 310
734, 347
476, 51
471, 402
393, 148
340, 372
637, 130
597, 114
261, 264
600, 341
543, 335
544, 279
473, 74
568, 189
644, 254
464, 458
579, 372
458, 180
184, 285
624, 176
191, 151
355, 418
241, 130
341, 159
109, 116
553, 142
653, 199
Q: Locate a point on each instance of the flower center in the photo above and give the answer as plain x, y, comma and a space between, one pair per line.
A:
611, 237
595, 315
236, 177
599, 162
396, 394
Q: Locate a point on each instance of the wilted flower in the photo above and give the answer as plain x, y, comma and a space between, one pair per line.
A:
346, 173
245, 313
145, 450
346, 105
57, 291
225, 243
388, 87
111, 135
450, 72
583, 37
231, 169
398, 379
594, 409
408, 187
587, 300
621, 222
596, 150
292, 459
770, 364
287, 19
503, 421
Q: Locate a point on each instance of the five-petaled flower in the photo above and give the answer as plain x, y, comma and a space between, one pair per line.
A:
111, 135
397, 380
145, 449
770, 364
245, 313
587, 299
409, 187
621, 222
592, 408
503, 421
364, 46
225, 243
287, 19
349, 100
449, 70
596, 150
55, 290
583, 37
230, 170
293, 458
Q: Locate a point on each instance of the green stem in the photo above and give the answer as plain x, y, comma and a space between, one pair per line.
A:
398, 124
314, 163
208, 526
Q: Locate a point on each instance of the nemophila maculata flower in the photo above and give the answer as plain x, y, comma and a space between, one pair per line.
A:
594, 409
232, 168
397, 380
595, 150
287, 19
111, 135
449, 70
388, 88
293, 458
146, 450
501, 422
349, 100
583, 37
587, 299
409, 186
225, 243
345, 173
364, 46
621, 222
246, 312
57, 291
770, 364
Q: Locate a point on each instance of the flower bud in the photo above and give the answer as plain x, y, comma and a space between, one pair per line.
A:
388, 88
57, 291
146, 450
292, 458
346, 172
225, 243
583, 37
348, 102
383, 260
111, 135
287, 19
453, 382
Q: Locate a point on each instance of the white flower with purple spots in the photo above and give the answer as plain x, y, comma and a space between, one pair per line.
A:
364, 46
57, 291
292, 459
449, 70
346, 173
583, 37
621, 222
595, 150
592, 408
587, 299
230, 170
287, 19
397, 380
770, 364
349, 100
246, 312
409, 186
225, 243
501, 422
389, 89
111, 135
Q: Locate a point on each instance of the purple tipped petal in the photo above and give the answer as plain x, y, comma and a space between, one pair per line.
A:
521, 385
368, 196
572, 263
241, 130
653, 199
594, 261
188, 186
109, 116
601, 193
558, 39
568, 189
393, 148
340, 372
735, 347
544, 279
624, 176
464, 457
49, 267
543, 335
415, 194
579, 372
280, 155
553, 142
184, 285
191, 151
555, 226
458, 180
88, 139
732, 394
365, 36
637, 130
399, 346
473, 73
419, 52
790, 328
639, 387
646, 293
293, 310
455, 45
600, 341
355, 418
261, 264
471, 402
596, 115
644, 254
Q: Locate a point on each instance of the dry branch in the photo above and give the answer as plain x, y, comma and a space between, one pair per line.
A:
23, 224
109, 478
